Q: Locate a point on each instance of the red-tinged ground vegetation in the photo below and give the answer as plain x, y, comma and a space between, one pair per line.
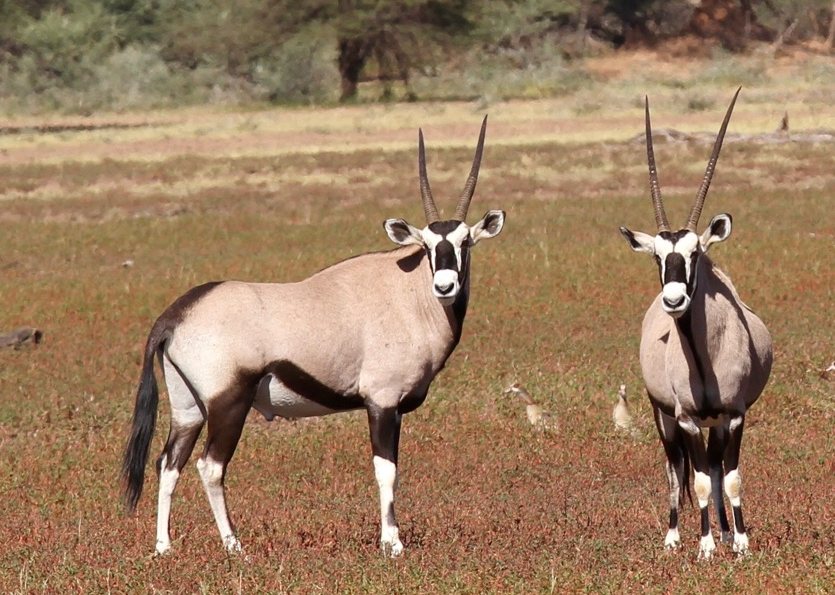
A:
486, 504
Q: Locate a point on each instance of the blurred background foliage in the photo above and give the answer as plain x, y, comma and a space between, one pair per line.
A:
86, 55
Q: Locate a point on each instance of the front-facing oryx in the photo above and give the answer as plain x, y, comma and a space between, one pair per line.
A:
370, 332
705, 359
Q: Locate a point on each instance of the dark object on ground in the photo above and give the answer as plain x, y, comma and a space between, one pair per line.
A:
21, 336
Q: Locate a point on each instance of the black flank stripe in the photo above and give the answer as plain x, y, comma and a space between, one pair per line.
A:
304, 384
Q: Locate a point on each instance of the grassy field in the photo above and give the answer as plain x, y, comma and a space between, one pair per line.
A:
486, 504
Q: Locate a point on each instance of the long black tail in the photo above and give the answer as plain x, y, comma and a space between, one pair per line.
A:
144, 422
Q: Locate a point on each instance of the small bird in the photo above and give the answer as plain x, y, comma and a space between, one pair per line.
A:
537, 416
621, 414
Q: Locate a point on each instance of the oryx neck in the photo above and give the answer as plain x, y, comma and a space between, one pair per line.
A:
435, 314
704, 320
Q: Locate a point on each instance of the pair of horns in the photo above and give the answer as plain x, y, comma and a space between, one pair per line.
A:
655, 189
463, 206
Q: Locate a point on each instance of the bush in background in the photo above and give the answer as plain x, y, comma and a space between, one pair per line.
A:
85, 55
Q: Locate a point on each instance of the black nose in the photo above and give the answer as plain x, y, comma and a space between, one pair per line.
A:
444, 289
674, 304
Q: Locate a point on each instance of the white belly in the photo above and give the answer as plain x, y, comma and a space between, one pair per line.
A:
273, 398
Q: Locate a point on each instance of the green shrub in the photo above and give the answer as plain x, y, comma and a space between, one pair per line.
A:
699, 103
734, 70
301, 70
137, 77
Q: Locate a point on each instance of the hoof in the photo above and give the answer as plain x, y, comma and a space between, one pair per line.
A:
390, 542
392, 549
232, 545
741, 544
672, 541
706, 547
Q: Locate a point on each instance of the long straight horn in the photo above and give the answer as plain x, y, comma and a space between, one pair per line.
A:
654, 187
429, 208
469, 187
693, 221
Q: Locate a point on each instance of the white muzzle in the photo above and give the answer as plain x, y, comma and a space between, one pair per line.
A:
445, 285
674, 299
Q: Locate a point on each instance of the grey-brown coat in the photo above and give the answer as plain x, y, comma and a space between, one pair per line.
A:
370, 333
705, 359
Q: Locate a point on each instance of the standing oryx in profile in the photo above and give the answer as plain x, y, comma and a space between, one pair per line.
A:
370, 332
705, 358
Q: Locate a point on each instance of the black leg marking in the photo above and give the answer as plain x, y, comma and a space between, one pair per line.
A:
179, 446
734, 446
739, 524
716, 443
705, 522
677, 468
732, 464
227, 415
384, 425
692, 436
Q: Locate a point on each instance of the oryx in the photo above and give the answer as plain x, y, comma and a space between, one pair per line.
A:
705, 359
370, 332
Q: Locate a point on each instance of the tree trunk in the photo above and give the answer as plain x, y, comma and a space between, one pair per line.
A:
352, 56
830, 39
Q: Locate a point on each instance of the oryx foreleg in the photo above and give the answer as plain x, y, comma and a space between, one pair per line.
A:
384, 425
676, 470
733, 483
692, 435
717, 442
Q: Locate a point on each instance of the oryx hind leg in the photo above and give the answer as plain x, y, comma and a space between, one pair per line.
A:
717, 442
692, 436
226, 414
187, 418
676, 469
733, 483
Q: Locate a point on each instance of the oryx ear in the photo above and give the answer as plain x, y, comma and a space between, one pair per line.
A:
718, 231
639, 241
402, 233
489, 226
